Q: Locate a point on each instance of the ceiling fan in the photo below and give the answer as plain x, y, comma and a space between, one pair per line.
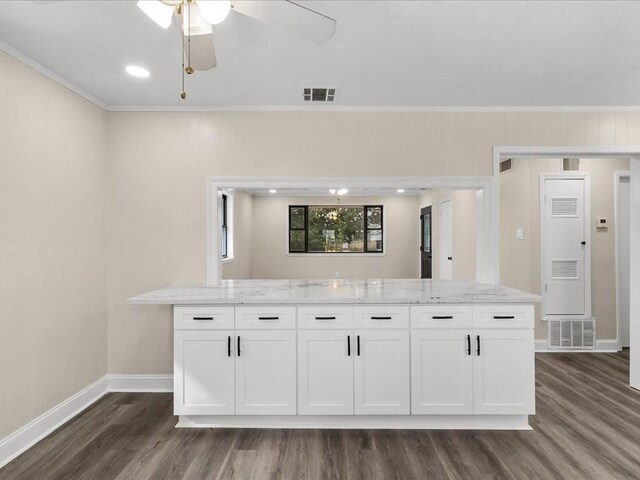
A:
195, 19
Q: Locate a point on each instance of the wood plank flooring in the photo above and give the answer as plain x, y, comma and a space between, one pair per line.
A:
587, 427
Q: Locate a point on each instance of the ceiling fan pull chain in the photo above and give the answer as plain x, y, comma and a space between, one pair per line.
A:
189, 69
183, 94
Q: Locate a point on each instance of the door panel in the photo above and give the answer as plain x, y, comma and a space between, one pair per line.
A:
266, 373
503, 372
564, 253
381, 375
203, 373
446, 240
325, 372
441, 372
623, 233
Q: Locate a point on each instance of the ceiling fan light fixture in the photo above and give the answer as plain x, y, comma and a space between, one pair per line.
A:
197, 25
214, 11
159, 12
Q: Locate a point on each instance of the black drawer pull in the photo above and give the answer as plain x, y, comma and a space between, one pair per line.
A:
380, 318
325, 318
442, 317
268, 318
203, 318
503, 317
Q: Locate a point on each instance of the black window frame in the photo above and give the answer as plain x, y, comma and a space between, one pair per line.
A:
224, 234
366, 229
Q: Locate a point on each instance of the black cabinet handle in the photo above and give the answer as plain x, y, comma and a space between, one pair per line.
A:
468, 344
358, 344
380, 318
238, 345
203, 318
503, 317
268, 318
229, 345
478, 345
348, 345
325, 318
442, 317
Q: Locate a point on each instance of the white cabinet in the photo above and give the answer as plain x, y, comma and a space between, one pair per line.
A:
503, 372
203, 372
325, 372
441, 372
266, 372
381, 375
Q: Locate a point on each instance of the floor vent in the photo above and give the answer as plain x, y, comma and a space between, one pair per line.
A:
572, 333
319, 94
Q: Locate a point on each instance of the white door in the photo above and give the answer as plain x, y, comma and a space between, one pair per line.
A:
441, 372
203, 372
325, 372
381, 372
446, 240
623, 235
503, 372
564, 246
266, 372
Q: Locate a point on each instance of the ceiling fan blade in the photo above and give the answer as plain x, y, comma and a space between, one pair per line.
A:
290, 17
203, 54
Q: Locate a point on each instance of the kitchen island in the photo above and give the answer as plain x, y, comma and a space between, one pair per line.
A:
398, 353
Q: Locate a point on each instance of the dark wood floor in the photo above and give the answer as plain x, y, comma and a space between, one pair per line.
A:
587, 427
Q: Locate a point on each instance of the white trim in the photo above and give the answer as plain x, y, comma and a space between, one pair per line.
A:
34, 431
486, 270
441, 253
617, 176
18, 55
412, 422
543, 177
602, 346
140, 383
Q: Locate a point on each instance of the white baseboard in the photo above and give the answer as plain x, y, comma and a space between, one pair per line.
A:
34, 431
602, 346
140, 383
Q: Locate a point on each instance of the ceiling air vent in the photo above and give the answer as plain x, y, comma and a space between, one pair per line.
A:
319, 94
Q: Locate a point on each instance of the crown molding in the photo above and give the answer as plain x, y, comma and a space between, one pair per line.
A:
18, 55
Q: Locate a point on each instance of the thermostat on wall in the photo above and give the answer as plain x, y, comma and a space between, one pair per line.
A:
601, 223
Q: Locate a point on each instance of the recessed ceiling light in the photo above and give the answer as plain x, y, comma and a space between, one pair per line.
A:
137, 71
343, 191
272, 191
332, 191
401, 190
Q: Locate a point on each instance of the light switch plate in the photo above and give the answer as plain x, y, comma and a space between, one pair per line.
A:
520, 234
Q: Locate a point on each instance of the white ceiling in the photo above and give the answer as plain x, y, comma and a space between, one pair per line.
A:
385, 54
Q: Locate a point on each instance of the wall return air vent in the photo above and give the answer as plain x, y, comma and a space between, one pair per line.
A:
319, 94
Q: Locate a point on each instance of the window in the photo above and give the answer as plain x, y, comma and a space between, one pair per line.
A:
335, 229
224, 238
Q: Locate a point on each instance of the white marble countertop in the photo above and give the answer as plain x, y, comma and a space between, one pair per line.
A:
372, 291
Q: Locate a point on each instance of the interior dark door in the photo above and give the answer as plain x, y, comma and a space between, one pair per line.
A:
425, 244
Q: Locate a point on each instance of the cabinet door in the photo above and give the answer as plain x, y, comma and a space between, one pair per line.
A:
325, 372
203, 373
381, 372
266, 372
503, 372
441, 372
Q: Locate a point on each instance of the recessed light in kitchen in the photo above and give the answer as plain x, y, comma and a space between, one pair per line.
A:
272, 191
343, 191
401, 190
137, 71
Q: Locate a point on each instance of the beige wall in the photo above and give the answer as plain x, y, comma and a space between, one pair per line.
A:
53, 316
240, 265
159, 162
270, 234
464, 230
520, 261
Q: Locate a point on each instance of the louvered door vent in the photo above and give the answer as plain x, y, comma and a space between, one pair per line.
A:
564, 207
575, 334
